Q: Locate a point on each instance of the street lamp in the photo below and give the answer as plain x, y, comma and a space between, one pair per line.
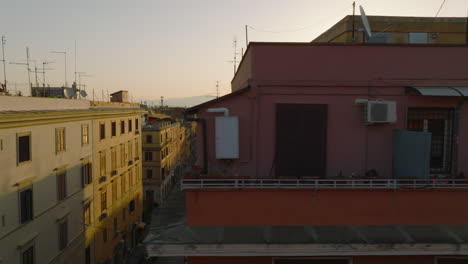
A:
65, 54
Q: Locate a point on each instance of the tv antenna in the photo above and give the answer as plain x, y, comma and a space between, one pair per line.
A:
217, 89
44, 63
4, 65
366, 24
27, 67
235, 55
82, 92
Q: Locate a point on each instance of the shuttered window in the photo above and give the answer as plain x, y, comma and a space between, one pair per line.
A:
301, 137
102, 131
27, 257
63, 234
61, 185
60, 139
24, 148
26, 203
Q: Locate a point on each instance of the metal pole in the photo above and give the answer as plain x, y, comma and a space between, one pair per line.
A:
246, 36
4, 60
352, 34
27, 63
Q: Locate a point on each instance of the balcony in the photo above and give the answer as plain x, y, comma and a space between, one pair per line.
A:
325, 183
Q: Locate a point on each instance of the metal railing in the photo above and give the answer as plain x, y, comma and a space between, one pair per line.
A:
324, 183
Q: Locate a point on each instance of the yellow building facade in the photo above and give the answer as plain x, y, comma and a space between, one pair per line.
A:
163, 151
116, 207
395, 29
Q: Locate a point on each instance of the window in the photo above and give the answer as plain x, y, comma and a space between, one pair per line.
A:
130, 150
102, 163
104, 235
418, 38
61, 185
137, 149
440, 123
87, 214
63, 234
113, 129
86, 171
24, 147
84, 134
123, 156
149, 173
113, 158
102, 131
123, 184
137, 125
148, 156
149, 139
116, 227
122, 127
131, 206
88, 255
27, 256
59, 140
114, 191
130, 125
103, 201
130, 178
26, 204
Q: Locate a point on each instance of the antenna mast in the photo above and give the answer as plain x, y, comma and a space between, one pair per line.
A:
4, 65
352, 34
217, 89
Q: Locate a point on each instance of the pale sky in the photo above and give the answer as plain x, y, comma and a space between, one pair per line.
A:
170, 48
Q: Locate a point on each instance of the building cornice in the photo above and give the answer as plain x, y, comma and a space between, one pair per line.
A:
22, 119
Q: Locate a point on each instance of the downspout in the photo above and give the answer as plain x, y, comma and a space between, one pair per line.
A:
205, 151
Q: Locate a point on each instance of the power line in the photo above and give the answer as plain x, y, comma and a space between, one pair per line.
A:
297, 29
440, 8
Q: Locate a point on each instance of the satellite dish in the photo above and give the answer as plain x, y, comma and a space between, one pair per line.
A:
365, 22
69, 92
83, 93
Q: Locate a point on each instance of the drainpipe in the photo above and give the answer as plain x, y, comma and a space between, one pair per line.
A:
202, 122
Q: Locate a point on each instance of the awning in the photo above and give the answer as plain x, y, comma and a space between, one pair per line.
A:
441, 91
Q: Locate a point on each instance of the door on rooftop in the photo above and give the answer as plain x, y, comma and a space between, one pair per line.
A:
439, 122
301, 137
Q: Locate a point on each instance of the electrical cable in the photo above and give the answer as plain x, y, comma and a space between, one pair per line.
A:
297, 29
440, 8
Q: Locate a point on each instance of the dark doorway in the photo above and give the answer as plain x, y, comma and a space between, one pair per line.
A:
301, 140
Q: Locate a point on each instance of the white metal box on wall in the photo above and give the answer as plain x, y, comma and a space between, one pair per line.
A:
227, 137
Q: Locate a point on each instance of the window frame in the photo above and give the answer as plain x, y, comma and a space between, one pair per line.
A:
122, 127
87, 218
130, 126
84, 135
103, 201
60, 140
61, 190
18, 135
102, 131
30, 245
63, 240
31, 210
150, 170
86, 174
137, 124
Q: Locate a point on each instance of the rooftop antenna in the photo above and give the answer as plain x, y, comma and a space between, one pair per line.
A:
79, 85
4, 65
235, 56
27, 67
75, 63
217, 89
365, 22
43, 71
162, 101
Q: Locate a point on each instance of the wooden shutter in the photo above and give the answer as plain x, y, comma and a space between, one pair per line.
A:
301, 140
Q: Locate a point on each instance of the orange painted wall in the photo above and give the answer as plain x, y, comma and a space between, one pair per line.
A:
326, 207
356, 260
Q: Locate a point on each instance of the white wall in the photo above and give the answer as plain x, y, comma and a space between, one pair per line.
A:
41, 170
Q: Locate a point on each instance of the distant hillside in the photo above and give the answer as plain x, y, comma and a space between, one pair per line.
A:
183, 101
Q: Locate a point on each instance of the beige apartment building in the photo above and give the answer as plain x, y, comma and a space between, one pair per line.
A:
163, 151
45, 149
117, 185
71, 188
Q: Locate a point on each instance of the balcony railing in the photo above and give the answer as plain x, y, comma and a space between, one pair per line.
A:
324, 183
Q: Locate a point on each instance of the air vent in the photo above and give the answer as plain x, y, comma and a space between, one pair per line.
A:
380, 112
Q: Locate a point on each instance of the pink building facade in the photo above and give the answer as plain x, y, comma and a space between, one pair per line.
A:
307, 159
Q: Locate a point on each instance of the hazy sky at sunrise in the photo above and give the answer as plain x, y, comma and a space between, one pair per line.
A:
171, 48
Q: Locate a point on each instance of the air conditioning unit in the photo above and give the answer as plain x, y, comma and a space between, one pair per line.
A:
380, 112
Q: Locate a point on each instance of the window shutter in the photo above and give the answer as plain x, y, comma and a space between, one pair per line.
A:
90, 172
83, 175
